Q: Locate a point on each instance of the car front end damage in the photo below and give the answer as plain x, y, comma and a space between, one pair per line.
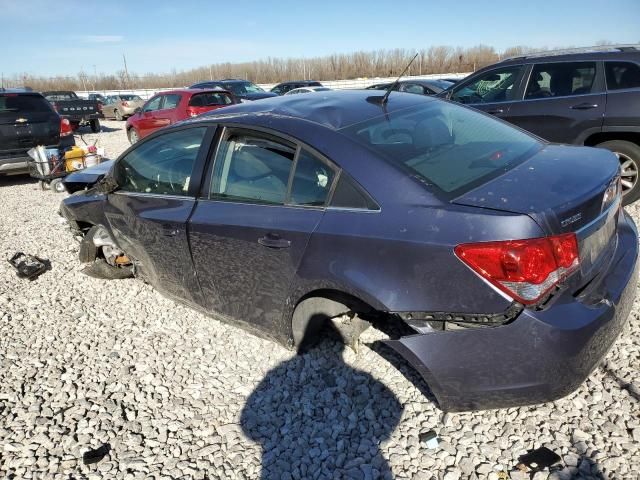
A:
526, 355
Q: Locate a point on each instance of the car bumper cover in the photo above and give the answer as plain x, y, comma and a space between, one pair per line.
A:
539, 357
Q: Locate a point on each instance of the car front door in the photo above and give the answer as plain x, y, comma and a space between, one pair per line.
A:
492, 91
167, 115
563, 102
148, 212
249, 232
147, 121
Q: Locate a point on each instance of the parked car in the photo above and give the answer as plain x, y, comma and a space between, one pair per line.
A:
296, 91
421, 87
515, 278
98, 98
284, 87
579, 97
167, 108
242, 89
77, 110
121, 107
28, 120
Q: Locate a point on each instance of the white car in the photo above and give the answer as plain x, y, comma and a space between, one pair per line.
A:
307, 90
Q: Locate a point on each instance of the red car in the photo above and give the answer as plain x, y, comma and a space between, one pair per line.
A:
167, 108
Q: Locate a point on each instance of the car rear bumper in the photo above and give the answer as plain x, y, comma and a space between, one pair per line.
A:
15, 162
539, 357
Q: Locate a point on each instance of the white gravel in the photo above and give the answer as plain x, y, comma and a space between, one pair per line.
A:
176, 394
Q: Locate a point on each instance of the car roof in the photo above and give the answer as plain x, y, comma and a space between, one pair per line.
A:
19, 91
334, 109
193, 91
571, 56
304, 82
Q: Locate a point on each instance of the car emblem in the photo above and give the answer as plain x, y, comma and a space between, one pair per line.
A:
571, 219
21, 120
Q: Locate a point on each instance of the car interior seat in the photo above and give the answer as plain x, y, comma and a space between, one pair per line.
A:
251, 177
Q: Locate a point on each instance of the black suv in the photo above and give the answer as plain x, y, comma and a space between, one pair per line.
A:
284, 87
27, 119
243, 89
582, 96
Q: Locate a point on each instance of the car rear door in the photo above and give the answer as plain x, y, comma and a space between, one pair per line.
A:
563, 102
27, 120
249, 231
623, 95
492, 91
148, 212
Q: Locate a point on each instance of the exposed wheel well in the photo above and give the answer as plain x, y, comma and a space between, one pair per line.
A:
600, 137
315, 308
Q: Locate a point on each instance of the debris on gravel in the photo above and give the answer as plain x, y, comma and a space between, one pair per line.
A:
162, 391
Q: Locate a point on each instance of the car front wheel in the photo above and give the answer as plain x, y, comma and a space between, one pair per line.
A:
629, 155
133, 136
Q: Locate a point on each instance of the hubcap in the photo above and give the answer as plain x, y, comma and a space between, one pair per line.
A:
629, 172
133, 136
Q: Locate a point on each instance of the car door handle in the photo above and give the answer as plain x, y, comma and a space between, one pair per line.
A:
495, 111
272, 240
584, 106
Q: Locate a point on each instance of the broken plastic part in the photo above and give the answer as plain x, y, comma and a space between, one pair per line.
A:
430, 439
538, 459
94, 456
29, 266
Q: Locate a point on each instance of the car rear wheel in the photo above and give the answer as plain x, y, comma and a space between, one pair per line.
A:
118, 115
95, 125
133, 136
629, 155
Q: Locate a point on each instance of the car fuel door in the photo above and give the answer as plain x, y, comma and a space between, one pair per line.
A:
148, 212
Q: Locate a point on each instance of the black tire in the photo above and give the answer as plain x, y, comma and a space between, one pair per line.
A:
57, 186
101, 269
629, 155
95, 125
43, 185
118, 115
132, 133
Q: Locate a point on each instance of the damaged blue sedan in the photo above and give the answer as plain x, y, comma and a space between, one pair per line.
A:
509, 260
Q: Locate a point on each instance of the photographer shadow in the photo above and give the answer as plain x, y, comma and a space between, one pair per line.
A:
317, 417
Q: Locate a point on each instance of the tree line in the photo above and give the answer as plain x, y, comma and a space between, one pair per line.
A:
342, 66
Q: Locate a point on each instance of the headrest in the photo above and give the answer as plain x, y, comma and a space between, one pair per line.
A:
432, 132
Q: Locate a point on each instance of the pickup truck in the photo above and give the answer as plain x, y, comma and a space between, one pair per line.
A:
77, 110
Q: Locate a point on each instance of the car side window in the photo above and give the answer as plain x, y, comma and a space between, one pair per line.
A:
153, 104
412, 88
277, 90
171, 101
312, 180
162, 165
348, 194
252, 169
622, 75
561, 79
494, 86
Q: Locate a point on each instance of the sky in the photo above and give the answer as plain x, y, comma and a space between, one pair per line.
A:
44, 37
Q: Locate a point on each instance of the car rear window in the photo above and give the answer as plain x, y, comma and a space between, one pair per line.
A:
621, 75
23, 103
444, 145
210, 98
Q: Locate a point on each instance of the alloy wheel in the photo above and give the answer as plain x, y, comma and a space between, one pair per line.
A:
629, 172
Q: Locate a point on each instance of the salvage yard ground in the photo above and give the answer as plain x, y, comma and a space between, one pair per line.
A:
176, 394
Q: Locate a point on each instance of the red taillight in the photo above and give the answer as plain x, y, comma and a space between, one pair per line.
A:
524, 269
65, 127
125, 103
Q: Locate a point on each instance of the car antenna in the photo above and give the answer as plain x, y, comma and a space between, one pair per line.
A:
384, 99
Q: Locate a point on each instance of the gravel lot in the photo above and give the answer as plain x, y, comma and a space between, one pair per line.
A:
175, 394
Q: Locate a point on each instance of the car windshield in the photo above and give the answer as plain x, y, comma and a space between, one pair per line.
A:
242, 88
450, 147
130, 98
60, 96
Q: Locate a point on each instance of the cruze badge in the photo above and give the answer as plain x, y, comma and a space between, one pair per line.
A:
571, 219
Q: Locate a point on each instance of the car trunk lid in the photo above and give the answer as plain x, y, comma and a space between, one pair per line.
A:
564, 189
